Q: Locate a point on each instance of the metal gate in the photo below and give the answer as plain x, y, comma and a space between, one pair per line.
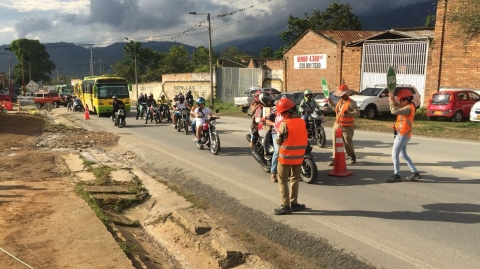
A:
233, 82
408, 57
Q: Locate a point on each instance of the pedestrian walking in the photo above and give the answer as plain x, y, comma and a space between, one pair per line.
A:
405, 112
346, 110
292, 138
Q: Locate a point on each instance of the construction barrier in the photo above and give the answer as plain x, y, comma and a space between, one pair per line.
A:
339, 163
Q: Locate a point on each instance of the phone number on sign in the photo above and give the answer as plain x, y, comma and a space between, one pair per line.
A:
309, 65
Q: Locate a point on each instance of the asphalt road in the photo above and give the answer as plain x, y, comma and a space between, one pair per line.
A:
432, 223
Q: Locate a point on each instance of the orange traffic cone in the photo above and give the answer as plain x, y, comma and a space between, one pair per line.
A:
87, 114
339, 163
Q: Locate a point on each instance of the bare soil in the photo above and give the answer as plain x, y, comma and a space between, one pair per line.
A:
43, 222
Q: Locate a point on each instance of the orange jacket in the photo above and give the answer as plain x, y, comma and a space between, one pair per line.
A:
292, 150
404, 124
341, 120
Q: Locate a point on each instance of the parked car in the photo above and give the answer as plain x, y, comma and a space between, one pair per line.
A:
4, 97
40, 98
455, 104
322, 101
373, 101
27, 98
475, 112
247, 98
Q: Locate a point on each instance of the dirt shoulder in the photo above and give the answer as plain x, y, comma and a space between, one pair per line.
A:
43, 222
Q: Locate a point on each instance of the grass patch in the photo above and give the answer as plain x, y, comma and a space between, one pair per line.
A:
126, 247
227, 109
93, 205
102, 174
88, 163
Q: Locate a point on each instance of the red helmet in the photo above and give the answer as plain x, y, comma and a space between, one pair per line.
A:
404, 93
284, 104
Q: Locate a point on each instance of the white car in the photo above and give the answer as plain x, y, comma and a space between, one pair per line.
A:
475, 112
373, 101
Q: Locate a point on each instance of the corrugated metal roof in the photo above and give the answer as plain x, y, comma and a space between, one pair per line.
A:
346, 35
416, 32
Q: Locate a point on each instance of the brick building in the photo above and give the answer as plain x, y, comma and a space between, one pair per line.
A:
453, 63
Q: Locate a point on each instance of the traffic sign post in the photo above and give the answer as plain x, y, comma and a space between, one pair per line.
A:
391, 79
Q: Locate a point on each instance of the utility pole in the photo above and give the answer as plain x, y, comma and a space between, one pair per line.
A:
209, 54
91, 59
135, 62
29, 71
100, 64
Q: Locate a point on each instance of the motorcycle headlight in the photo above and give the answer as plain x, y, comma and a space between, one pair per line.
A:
213, 123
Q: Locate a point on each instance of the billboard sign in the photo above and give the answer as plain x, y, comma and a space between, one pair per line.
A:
313, 61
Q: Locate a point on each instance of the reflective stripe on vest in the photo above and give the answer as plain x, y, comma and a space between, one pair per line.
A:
403, 125
341, 120
292, 150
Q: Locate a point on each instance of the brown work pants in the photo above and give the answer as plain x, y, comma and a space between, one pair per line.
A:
284, 174
347, 135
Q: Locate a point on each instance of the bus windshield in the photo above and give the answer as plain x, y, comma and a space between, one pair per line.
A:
107, 91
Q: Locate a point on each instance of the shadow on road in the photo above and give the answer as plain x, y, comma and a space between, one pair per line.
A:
442, 212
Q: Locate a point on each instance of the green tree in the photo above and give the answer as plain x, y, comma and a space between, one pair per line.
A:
279, 53
176, 61
232, 53
34, 57
266, 52
336, 17
466, 15
201, 60
430, 21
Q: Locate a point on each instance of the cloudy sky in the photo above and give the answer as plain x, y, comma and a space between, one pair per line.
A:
102, 22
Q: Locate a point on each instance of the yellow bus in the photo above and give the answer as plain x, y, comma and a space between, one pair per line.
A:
97, 91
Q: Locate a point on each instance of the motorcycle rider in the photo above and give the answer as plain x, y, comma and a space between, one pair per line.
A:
164, 104
150, 101
141, 99
256, 104
266, 99
179, 105
189, 98
201, 114
116, 106
308, 105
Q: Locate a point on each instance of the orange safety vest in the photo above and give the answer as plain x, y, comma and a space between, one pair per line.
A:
292, 150
341, 120
404, 124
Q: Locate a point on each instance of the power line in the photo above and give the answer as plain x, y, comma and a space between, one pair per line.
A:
48, 28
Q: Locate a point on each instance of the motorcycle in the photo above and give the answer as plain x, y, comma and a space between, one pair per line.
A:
78, 106
209, 136
153, 113
165, 112
119, 118
70, 105
143, 110
315, 129
309, 171
182, 121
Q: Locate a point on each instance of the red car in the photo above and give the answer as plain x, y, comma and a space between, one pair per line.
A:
451, 103
4, 97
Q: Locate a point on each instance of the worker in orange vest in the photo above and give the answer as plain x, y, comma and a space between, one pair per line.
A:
346, 110
292, 138
405, 112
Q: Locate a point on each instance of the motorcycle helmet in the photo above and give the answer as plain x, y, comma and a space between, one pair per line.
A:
256, 95
162, 96
189, 92
175, 98
181, 98
265, 99
288, 96
200, 100
180, 93
150, 95
114, 97
307, 92
285, 104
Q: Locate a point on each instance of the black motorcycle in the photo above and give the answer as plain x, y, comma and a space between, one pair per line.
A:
165, 113
209, 136
182, 121
119, 117
78, 106
264, 156
153, 112
315, 129
143, 110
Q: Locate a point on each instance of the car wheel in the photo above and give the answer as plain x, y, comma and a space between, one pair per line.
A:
457, 116
56, 104
432, 118
39, 105
370, 112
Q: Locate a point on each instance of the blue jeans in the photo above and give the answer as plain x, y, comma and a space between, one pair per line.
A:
400, 149
194, 125
273, 168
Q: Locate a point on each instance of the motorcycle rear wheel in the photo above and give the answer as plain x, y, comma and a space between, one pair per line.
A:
309, 171
121, 123
214, 144
320, 137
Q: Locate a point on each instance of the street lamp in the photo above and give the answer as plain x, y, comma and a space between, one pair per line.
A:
209, 53
135, 63
9, 77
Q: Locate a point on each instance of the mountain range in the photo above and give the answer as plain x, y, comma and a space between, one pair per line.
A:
74, 61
